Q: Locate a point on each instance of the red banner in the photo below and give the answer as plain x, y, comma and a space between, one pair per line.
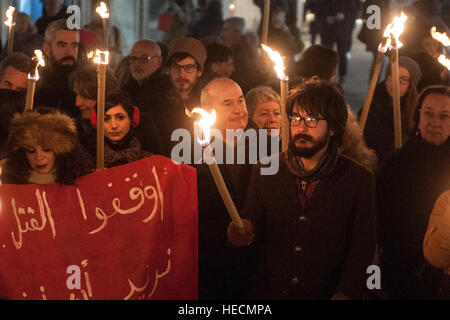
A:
125, 233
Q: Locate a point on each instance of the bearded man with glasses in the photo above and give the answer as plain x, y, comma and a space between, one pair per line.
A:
313, 223
185, 64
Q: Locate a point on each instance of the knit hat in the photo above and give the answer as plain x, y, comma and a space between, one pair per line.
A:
412, 67
191, 46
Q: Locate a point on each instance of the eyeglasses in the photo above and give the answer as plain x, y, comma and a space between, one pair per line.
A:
430, 115
310, 122
144, 59
188, 68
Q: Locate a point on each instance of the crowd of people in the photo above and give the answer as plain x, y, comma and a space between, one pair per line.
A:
343, 198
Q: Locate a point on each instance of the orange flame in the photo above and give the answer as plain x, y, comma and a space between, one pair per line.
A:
444, 61
40, 62
206, 122
441, 37
278, 60
10, 17
100, 57
102, 10
395, 29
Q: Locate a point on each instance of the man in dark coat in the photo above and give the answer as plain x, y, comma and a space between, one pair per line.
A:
313, 221
186, 62
61, 52
223, 272
145, 68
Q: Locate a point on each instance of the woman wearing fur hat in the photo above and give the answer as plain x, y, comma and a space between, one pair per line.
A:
379, 130
44, 149
121, 120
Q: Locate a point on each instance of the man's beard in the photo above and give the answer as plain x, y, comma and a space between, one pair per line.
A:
58, 69
309, 152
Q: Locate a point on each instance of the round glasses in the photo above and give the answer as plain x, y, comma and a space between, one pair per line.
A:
188, 68
310, 122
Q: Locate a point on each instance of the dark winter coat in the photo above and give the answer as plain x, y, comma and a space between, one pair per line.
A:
168, 112
408, 185
224, 271
53, 91
316, 251
379, 130
150, 86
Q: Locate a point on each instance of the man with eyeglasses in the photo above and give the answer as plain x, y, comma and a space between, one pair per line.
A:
312, 224
186, 60
145, 68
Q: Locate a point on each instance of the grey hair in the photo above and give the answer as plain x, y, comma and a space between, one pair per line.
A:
18, 61
258, 95
149, 43
55, 26
237, 23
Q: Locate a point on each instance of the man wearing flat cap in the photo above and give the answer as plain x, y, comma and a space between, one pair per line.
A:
185, 61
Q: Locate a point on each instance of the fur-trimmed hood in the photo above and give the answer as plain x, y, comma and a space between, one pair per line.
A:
55, 131
354, 145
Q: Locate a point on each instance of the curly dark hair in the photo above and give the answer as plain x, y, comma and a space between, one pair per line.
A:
321, 97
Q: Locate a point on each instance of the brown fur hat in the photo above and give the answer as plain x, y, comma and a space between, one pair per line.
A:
49, 129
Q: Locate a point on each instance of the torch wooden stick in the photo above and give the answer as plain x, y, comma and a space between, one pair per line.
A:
222, 188
396, 99
284, 90
33, 79
265, 30
373, 82
102, 59
205, 123
31, 89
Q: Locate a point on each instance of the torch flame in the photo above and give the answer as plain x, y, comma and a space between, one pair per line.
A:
101, 57
102, 10
395, 29
441, 37
206, 122
385, 45
40, 62
10, 16
444, 61
278, 60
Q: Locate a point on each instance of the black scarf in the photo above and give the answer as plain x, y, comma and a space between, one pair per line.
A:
324, 167
122, 152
